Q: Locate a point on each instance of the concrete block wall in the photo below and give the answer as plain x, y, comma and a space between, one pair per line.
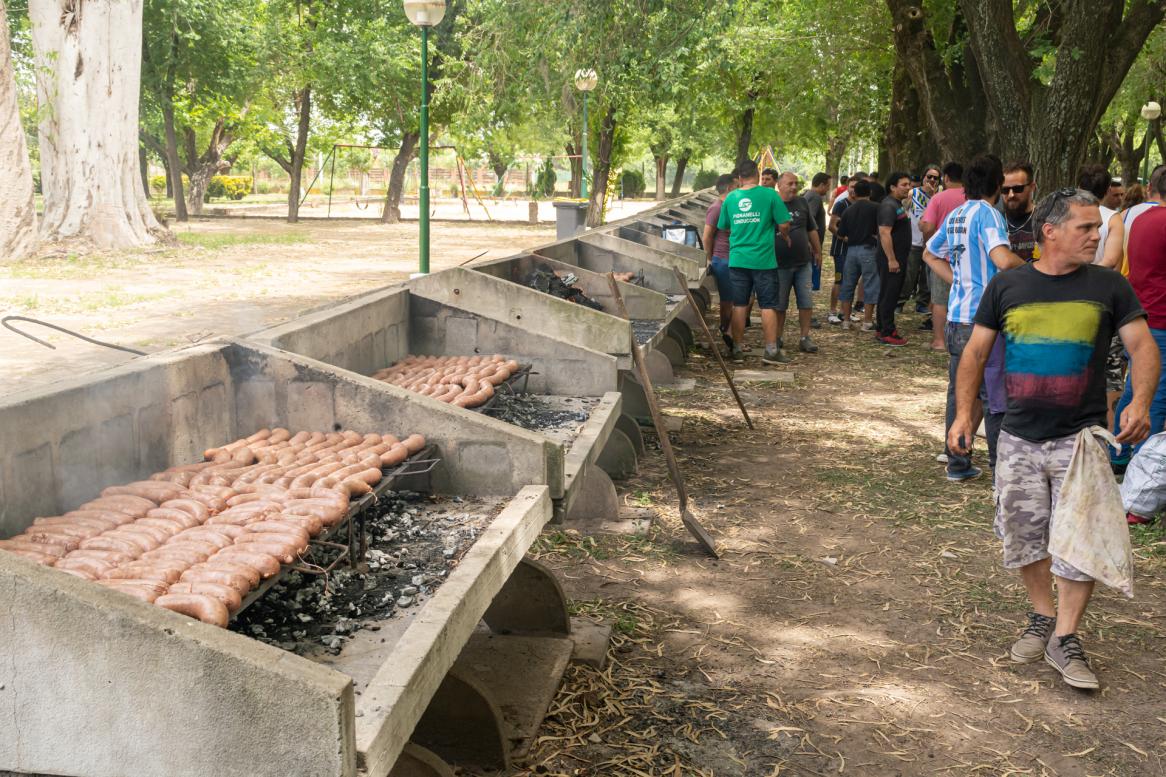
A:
60, 447
98, 684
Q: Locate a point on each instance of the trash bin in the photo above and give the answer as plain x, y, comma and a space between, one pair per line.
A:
685, 234
570, 218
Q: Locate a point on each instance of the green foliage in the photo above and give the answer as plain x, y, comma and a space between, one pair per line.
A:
633, 184
158, 184
544, 184
704, 179
231, 187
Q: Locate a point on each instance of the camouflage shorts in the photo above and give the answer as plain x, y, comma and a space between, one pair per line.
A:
1028, 480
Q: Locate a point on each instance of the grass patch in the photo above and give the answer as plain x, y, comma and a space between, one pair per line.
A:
217, 240
1150, 538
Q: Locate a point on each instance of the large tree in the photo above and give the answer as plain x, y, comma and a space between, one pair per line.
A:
17, 206
88, 60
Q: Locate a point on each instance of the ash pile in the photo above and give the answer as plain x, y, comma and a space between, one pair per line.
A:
535, 414
646, 328
414, 542
548, 281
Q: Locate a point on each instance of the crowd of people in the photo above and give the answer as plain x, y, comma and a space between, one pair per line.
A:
1052, 311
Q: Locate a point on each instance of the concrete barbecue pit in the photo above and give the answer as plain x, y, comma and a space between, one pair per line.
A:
573, 400
134, 689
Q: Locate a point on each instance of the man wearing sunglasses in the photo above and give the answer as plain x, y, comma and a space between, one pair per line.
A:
916, 282
1019, 204
1057, 316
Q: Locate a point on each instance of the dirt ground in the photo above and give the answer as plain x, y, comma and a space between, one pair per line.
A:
858, 620
224, 277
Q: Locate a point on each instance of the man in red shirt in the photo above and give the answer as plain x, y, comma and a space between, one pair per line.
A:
1146, 251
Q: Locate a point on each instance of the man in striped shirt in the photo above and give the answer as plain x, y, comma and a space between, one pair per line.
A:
968, 249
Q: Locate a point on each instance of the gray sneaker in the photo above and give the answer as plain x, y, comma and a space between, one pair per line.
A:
737, 356
776, 356
1031, 645
806, 345
1066, 655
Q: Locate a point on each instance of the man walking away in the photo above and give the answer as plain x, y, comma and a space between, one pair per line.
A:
1019, 204
1147, 260
1151, 200
859, 228
916, 282
752, 213
970, 247
893, 250
938, 209
1057, 316
716, 249
794, 262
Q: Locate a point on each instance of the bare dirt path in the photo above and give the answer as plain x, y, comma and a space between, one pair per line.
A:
858, 621
225, 277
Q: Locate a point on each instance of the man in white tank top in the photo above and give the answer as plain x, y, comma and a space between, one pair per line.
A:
1096, 180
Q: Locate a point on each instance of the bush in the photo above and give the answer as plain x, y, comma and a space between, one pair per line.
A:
633, 184
544, 185
158, 183
231, 187
704, 179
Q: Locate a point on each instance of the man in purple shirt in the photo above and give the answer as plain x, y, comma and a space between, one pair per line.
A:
716, 249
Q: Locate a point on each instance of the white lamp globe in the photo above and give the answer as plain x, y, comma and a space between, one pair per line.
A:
425, 13
1151, 111
585, 80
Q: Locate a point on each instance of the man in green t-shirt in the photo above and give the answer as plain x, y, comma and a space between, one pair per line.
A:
751, 214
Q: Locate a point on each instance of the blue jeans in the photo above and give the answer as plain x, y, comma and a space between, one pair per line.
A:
748, 282
956, 336
799, 280
860, 262
719, 268
1157, 404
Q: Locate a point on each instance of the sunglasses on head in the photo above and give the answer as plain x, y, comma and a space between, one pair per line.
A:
1014, 189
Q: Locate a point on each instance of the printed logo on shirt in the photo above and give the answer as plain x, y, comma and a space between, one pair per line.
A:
745, 203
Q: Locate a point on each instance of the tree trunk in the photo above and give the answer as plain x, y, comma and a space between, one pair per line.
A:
835, 149
500, 167
678, 177
17, 206
392, 210
602, 169
143, 166
303, 100
88, 65
745, 131
661, 175
174, 164
1129, 156
943, 90
205, 166
1053, 121
574, 158
907, 143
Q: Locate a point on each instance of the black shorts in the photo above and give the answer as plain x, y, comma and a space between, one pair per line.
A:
746, 282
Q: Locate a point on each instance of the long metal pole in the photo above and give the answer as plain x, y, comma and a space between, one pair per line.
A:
1146, 160
423, 238
583, 162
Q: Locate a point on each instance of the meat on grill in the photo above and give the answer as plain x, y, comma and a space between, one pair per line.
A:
198, 538
463, 381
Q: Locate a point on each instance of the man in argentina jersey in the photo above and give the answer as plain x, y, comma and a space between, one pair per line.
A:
968, 249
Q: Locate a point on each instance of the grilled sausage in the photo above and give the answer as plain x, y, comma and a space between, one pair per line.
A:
205, 608
230, 598
254, 556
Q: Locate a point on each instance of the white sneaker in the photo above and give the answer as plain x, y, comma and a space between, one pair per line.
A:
834, 318
868, 327
856, 317
941, 458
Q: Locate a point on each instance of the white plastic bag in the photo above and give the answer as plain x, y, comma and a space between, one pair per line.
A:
1089, 528
1143, 492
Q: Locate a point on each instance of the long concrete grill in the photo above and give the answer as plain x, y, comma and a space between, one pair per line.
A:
102, 684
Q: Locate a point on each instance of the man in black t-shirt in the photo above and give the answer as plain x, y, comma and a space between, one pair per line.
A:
1018, 196
859, 227
894, 249
1057, 316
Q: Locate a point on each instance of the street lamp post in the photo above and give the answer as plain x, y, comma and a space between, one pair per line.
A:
424, 14
585, 81
1150, 111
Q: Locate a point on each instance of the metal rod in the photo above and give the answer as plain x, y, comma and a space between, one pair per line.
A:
69, 332
690, 522
331, 180
583, 163
713, 345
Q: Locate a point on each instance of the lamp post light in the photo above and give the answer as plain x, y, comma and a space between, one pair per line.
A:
585, 81
424, 14
1150, 112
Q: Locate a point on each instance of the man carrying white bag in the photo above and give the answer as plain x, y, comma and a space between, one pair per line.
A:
1058, 509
